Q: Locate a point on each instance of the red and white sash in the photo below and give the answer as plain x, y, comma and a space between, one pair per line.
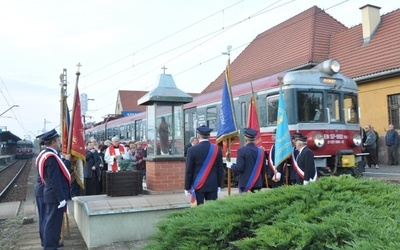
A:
44, 157
298, 169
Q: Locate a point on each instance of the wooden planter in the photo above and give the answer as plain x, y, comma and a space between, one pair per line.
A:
124, 183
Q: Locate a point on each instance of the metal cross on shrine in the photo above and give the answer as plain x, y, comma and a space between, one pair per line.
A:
164, 68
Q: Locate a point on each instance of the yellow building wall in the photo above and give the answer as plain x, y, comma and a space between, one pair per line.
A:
373, 102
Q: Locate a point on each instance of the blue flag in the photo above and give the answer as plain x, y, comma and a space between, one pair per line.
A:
227, 128
283, 144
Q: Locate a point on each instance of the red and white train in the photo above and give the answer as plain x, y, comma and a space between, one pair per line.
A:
321, 103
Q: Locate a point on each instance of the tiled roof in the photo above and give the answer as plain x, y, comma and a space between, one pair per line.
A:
382, 53
128, 99
300, 40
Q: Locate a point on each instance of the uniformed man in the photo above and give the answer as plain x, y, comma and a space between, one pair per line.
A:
204, 169
39, 189
293, 168
305, 162
250, 163
55, 176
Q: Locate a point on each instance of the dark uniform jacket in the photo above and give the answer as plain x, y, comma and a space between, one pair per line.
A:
187, 146
39, 187
305, 161
57, 187
194, 161
245, 163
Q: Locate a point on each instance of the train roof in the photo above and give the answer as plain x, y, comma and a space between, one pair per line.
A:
240, 89
121, 120
24, 141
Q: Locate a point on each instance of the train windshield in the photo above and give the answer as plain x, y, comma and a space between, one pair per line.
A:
350, 108
310, 107
24, 145
326, 106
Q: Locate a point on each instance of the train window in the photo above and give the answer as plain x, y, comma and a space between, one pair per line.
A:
139, 131
122, 132
310, 107
394, 114
176, 123
101, 136
350, 108
333, 105
129, 128
272, 111
212, 118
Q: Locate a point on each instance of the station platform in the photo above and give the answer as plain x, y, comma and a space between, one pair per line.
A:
9, 209
5, 159
128, 218
102, 222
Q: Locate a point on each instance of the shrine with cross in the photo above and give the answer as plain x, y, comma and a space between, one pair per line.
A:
165, 164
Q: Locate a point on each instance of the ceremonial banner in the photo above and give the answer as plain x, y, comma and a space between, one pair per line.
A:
252, 121
283, 144
77, 141
227, 128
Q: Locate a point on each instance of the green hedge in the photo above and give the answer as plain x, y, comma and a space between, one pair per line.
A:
333, 213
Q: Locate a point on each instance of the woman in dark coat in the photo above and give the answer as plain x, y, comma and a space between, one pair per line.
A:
91, 171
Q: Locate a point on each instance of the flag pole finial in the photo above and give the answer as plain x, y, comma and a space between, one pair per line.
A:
280, 82
228, 51
79, 65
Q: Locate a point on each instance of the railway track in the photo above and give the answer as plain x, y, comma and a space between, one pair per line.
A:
13, 181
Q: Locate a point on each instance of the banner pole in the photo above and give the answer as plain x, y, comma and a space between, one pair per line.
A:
228, 158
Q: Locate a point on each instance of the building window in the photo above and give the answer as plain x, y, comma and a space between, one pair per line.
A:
394, 110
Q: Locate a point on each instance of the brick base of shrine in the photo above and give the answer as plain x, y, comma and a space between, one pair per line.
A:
165, 175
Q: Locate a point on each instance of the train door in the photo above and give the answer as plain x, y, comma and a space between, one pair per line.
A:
190, 123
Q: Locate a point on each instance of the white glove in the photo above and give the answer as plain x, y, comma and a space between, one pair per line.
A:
187, 193
277, 176
219, 190
229, 164
62, 204
305, 182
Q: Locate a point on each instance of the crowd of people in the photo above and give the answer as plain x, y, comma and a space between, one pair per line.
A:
204, 166
106, 156
371, 146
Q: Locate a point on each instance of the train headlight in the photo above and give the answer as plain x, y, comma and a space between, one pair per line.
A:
335, 66
357, 139
330, 67
318, 140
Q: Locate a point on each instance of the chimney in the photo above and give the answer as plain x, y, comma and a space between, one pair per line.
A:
371, 19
